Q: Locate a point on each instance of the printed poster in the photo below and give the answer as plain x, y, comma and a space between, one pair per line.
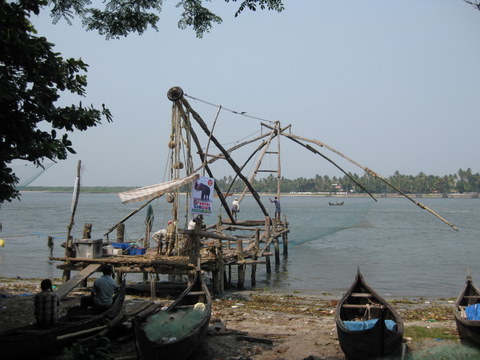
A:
202, 196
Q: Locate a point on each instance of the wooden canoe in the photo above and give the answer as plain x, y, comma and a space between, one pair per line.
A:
367, 326
166, 346
30, 341
469, 330
335, 203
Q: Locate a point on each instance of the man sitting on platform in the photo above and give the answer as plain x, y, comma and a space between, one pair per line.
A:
103, 291
46, 305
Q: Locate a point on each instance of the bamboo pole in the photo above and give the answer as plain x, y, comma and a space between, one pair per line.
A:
374, 174
254, 257
87, 231
120, 232
68, 248
241, 267
279, 163
259, 163
275, 243
129, 216
228, 158
267, 245
315, 151
207, 168
245, 164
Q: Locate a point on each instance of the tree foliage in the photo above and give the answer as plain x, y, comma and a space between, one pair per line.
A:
464, 181
474, 3
118, 18
32, 76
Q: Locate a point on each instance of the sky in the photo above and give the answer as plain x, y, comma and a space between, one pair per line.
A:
393, 85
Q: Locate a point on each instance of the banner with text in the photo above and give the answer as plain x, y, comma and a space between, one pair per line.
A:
202, 194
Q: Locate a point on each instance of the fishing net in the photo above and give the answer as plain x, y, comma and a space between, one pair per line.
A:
447, 352
170, 326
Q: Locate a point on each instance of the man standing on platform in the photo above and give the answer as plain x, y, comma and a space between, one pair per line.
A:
276, 201
235, 208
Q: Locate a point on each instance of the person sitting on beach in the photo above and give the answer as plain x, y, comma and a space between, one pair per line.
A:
46, 305
103, 291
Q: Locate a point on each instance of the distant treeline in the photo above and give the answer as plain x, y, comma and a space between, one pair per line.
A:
464, 181
86, 189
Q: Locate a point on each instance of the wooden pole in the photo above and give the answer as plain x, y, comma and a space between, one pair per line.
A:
50, 245
69, 245
120, 232
129, 216
255, 252
279, 163
241, 268
275, 243
87, 231
285, 244
267, 248
228, 158
218, 272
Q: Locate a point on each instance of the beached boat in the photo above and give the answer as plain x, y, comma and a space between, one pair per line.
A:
367, 326
29, 342
176, 332
467, 313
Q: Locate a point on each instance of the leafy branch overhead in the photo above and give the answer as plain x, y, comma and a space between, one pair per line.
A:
119, 18
32, 76
474, 3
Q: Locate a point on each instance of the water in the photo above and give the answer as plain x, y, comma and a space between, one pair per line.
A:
401, 249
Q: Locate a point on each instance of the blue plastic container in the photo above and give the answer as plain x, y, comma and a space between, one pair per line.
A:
122, 246
137, 251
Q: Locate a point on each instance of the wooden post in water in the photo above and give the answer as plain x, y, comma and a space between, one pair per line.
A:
241, 267
218, 272
87, 231
50, 245
285, 244
275, 243
255, 252
69, 243
121, 232
267, 249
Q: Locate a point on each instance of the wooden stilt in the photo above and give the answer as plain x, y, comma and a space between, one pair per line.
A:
255, 252
87, 231
153, 291
218, 272
285, 244
276, 244
87, 234
267, 249
241, 267
121, 232
229, 277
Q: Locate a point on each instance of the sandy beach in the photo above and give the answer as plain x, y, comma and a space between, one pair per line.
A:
264, 325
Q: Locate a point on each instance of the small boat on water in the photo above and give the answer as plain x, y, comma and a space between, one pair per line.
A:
335, 203
176, 332
467, 313
30, 341
367, 326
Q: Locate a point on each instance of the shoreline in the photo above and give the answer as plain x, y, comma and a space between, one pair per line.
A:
283, 325
473, 195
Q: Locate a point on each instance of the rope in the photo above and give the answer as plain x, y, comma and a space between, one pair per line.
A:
210, 139
241, 113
